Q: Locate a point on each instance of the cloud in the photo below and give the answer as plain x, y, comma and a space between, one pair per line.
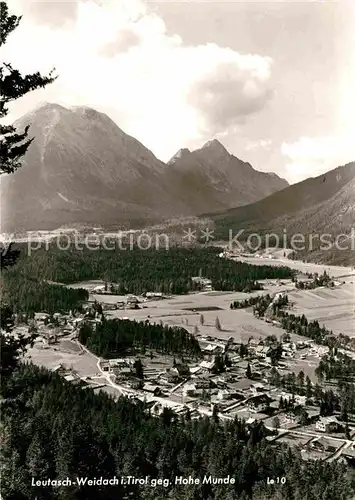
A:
52, 13
119, 58
314, 156
260, 144
124, 42
229, 88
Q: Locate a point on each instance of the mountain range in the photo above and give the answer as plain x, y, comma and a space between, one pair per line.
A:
212, 177
323, 205
83, 169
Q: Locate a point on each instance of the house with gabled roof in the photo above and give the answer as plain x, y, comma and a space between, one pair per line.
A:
153, 389
329, 424
259, 403
207, 365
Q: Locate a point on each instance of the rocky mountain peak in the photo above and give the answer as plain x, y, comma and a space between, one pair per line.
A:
215, 146
82, 168
182, 153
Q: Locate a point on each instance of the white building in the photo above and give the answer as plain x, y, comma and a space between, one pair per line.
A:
208, 365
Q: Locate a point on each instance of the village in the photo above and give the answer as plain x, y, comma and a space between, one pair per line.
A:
237, 376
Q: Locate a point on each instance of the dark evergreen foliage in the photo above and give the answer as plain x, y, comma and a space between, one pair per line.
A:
261, 304
311, 329
26, 295
52, 429
322, 280
8, 256
11, 348
252, 301
337, 366
115, 337
138, 271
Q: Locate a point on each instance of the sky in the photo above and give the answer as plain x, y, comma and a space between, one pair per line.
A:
273, 81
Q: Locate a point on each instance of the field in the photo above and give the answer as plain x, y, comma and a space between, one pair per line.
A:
332, 307
307, 365
65, 352
179, 311
304, 267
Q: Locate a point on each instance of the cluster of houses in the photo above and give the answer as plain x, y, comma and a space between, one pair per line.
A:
323, 448
268, 256
229, 390
50, 328
327, 448
132, 302
201, 384
68, 373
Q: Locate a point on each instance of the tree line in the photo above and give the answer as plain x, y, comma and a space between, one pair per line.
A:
115, 337
138, 271
292, 323
261, 304
322, 280
328, 400
250, 301
27, 296
311, 329
336, 365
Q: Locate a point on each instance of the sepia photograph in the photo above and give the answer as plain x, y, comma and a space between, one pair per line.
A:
177, 244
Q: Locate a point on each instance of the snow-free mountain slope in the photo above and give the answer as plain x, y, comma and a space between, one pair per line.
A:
82, 168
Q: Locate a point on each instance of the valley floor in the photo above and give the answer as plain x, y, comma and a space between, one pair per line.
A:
197, 313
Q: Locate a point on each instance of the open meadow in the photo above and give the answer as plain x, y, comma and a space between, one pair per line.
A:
65, 352
332, 307
304, 267
186, 311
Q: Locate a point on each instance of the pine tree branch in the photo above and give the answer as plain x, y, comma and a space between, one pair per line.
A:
7, 23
